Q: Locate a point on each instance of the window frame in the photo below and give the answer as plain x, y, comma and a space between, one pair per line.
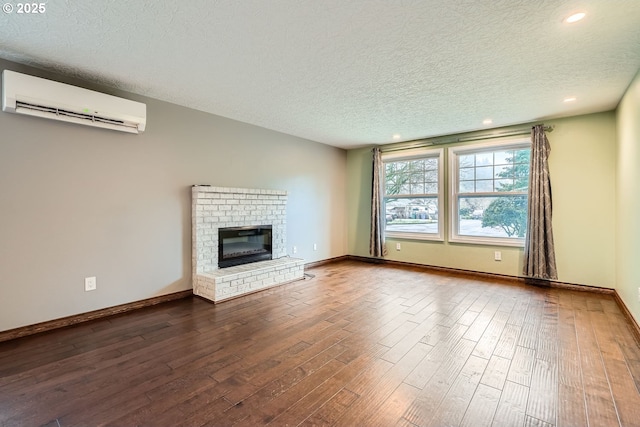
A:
453, 154
417, 154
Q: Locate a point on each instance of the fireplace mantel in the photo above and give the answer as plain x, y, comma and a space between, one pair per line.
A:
221, 207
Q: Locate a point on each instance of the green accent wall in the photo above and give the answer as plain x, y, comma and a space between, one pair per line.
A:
583, 173
628, 199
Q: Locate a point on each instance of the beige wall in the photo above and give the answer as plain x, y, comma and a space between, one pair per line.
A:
582, 164
77, 201
628, 199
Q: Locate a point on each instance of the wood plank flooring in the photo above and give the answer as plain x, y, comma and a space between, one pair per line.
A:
357, 345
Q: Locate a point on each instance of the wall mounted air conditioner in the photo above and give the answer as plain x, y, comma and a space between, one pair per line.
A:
24, 94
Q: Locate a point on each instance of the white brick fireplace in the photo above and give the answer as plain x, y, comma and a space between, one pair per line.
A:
219, 207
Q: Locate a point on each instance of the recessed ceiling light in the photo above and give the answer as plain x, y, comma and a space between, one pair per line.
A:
396, 136
487, 121
569, 99
575, 17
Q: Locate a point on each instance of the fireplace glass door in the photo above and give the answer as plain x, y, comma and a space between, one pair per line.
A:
243, 245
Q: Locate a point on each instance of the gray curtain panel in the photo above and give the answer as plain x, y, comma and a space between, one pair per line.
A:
539, 253
377, 247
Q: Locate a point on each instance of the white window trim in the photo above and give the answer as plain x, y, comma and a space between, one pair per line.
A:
453, 153
417, 153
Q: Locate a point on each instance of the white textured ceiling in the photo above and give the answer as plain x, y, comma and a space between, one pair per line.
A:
344, 72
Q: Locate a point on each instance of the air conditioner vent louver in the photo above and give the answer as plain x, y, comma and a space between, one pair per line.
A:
24, 94
61, 112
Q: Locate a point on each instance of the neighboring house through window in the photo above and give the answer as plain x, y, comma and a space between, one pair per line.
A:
413, 194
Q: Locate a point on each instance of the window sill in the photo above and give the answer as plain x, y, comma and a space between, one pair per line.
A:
488, 241
413, 236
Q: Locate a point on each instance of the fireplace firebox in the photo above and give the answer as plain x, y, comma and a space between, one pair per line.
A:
243, 245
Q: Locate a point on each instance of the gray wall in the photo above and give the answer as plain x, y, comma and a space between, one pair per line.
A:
77, 201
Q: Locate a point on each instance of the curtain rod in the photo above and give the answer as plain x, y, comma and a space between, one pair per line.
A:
418, 143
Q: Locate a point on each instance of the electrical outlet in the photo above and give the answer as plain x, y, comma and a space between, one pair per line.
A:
315, 246
497, 255
295, 249
398, 246
638, 294
90, 284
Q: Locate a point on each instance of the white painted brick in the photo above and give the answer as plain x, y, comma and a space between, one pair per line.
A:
269, 281
230, 207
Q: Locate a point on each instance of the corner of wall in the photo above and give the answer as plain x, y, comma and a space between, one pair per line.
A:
628, 198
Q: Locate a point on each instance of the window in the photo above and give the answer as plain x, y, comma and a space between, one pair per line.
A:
489, 185
412, 194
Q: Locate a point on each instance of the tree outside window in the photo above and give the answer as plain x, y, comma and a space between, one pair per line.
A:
489, 203
510, 212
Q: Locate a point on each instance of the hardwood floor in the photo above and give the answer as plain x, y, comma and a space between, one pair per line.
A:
357, 345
